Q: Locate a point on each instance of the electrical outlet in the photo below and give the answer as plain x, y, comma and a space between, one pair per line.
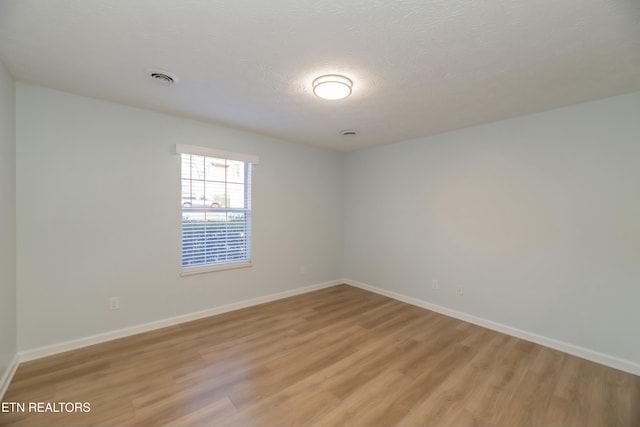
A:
435, 284
114, 303
460, 291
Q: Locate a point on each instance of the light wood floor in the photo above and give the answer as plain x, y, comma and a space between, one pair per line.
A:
336, 357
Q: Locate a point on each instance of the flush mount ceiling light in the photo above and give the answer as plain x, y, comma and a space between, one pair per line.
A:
332, 86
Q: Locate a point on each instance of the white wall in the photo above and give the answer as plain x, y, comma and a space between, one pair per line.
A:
99, 215
7, 223
537, 217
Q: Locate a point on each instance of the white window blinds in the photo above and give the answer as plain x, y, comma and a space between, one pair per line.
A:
216, 209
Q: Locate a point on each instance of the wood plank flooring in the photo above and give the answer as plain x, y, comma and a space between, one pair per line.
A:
339, 356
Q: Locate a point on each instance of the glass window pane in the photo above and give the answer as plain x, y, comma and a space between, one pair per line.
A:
235, 172
217, 193
211, 234
186, 166
235, 195
216, 169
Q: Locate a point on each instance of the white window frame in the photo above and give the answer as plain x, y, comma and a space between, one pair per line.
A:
228, 155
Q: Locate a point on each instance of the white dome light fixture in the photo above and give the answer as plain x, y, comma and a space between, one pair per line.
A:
332, 86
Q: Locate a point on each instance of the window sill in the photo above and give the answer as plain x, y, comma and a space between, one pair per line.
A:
208, 268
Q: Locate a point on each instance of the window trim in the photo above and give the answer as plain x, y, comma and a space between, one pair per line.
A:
213, 152
228, 155
190, 271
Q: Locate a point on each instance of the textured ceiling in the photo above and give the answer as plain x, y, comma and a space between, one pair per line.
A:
419, 66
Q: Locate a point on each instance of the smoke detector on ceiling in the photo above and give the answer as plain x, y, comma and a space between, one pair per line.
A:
162, 77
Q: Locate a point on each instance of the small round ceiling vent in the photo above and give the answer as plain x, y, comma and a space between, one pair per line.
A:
348, 132
164, 78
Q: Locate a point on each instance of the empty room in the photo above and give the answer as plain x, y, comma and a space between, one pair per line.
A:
319, 213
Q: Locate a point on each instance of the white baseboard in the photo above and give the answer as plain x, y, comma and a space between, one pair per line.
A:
584, 353
50, 350
7, 376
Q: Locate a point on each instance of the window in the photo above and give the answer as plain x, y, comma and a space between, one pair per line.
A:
216, 209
